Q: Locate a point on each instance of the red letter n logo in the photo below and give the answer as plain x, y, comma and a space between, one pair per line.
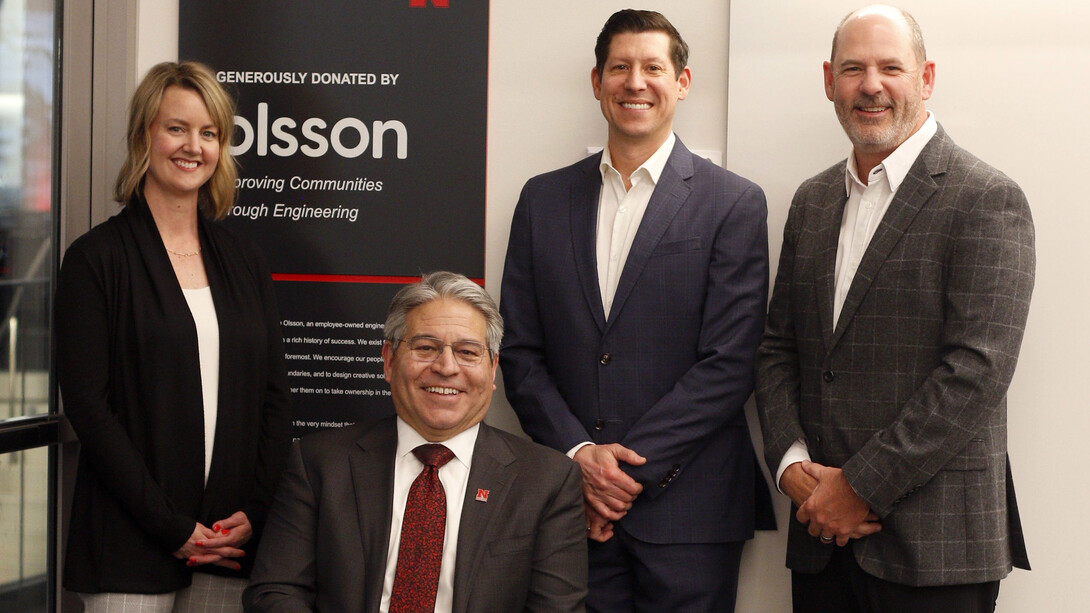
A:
439, 4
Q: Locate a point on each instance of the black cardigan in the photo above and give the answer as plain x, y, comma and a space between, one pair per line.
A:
128, 369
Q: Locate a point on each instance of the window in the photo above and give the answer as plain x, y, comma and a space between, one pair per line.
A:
28, 424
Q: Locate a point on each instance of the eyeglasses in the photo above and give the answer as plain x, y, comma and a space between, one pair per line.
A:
428, 349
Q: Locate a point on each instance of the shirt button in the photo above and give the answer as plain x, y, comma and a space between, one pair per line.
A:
828, 376
599, 424
623, 210
605, 359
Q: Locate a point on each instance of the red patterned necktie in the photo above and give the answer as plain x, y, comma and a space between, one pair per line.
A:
421, 550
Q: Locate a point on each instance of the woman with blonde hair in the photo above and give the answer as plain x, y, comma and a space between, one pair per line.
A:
171, 368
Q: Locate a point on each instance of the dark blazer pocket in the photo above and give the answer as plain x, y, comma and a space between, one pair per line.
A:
681, 246
973, 457
511, 545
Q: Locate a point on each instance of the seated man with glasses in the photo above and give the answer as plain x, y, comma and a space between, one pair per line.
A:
431, 509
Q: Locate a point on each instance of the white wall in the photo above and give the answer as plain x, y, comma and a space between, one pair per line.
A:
1011, 87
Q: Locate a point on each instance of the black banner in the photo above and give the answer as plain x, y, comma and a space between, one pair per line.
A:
360, 134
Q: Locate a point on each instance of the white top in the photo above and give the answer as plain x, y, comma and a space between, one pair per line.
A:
867, 205
208, 349
454, 475
620, 212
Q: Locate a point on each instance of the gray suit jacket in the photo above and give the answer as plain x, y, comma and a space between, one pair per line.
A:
325, 543
908, 392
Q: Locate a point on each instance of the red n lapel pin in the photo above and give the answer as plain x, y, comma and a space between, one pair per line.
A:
482, 495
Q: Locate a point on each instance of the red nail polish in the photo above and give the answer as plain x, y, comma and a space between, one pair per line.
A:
243, 554
200, 543
193, 559
191, 563
238, 567
226, 531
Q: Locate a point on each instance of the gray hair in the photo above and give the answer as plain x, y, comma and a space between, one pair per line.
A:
438, 285
913, 28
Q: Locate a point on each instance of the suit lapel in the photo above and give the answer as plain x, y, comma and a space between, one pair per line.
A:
372, 467
671, 192
828, 237
917, 187
584, 226
490, 471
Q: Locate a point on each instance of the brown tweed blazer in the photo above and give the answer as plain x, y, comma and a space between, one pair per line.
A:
907, 394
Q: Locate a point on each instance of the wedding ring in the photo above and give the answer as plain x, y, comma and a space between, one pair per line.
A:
826, 539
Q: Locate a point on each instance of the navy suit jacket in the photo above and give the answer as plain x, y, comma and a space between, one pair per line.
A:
667, 374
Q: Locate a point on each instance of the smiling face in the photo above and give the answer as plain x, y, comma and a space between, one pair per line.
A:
184, 146
877, 84
442, 398
638, 88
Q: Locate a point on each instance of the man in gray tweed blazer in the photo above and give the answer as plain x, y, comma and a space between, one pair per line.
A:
894, 328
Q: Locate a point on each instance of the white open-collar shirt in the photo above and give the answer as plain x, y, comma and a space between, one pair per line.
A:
620, 212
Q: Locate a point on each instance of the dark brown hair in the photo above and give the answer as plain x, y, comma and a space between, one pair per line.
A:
631, 20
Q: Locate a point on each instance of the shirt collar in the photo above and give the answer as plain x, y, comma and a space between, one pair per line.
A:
897, 164
461, 444
653, 166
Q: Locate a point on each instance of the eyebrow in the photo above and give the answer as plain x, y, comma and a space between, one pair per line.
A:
182, 121
434, 338
880, 62
642, 60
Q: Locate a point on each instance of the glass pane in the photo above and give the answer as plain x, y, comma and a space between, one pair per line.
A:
26, 207
26, 268
24, 530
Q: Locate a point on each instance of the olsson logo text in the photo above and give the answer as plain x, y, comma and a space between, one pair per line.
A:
441, 4
285, 140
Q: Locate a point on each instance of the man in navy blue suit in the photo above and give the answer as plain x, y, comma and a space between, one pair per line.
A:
634, 296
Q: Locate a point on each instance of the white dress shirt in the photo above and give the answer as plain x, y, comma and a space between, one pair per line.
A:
454, 476
867, 205
620, 212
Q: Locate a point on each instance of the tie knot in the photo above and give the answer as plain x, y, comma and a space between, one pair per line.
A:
433, 454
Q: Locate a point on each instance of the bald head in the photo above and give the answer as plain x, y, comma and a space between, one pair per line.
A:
892, 13
877, 82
